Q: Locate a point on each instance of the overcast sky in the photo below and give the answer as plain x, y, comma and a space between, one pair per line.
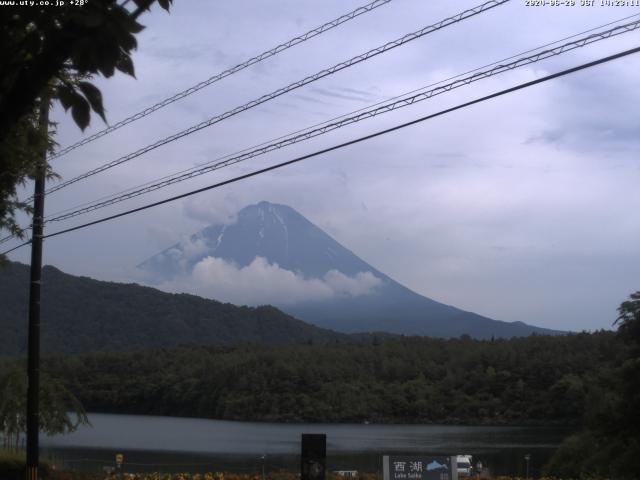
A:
521, 208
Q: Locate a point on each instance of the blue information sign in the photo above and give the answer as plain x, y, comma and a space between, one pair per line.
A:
419, 468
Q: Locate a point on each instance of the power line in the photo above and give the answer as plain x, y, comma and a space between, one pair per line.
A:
370, 113
16, 235
345, 144
10, 237
241, 66
15, 248
152, 183
352, 142
281, 91
198, 167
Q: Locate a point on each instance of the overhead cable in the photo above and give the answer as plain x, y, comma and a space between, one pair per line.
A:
160, 183
281, 91
352, 142
345, 144
9, 237
241, 66
15, 248
370, 113
225, 157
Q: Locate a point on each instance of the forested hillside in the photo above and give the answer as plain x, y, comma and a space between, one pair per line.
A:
80, 314
608, 445
534, 380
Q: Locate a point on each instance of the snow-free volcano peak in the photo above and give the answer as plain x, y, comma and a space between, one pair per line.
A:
271, 253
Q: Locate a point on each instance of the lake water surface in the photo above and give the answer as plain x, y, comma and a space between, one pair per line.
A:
152, 443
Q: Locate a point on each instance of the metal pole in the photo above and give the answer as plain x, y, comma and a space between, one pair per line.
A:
454, 467
33, 354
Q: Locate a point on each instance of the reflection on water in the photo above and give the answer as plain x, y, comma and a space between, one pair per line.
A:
187, 444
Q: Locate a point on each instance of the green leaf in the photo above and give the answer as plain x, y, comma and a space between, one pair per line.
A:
108, 56
134, 27
90, 18
82, 54
144, 4
127, 41
165, 4
32, 43
125, 65
123, 30
66, 96
93, 95
108, 52
81, 112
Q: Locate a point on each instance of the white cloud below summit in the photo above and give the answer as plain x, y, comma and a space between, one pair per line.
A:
262, 282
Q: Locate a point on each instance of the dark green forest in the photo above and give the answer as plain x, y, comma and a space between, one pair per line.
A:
534, 380
608, 442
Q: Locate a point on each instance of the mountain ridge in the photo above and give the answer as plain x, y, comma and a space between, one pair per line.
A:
80, 314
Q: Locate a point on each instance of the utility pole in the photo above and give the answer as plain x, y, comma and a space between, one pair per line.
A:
33, 352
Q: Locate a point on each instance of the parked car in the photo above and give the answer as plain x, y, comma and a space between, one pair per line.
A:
464, 465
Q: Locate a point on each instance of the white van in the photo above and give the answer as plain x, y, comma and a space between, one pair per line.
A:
464, 465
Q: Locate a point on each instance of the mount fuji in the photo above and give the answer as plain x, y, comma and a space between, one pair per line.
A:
271, 246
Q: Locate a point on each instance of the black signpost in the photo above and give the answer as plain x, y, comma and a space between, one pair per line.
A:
313, 458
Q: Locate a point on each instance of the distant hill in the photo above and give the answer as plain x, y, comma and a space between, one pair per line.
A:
80, 314
369, 300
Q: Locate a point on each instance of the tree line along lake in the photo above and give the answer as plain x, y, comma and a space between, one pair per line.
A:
171, 444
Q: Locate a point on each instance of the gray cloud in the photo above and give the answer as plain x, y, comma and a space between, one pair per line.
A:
344, 94
212, 209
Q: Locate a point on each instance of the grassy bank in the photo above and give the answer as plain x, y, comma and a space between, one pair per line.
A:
12, 466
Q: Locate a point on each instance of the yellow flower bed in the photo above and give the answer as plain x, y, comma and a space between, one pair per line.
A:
278, 475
